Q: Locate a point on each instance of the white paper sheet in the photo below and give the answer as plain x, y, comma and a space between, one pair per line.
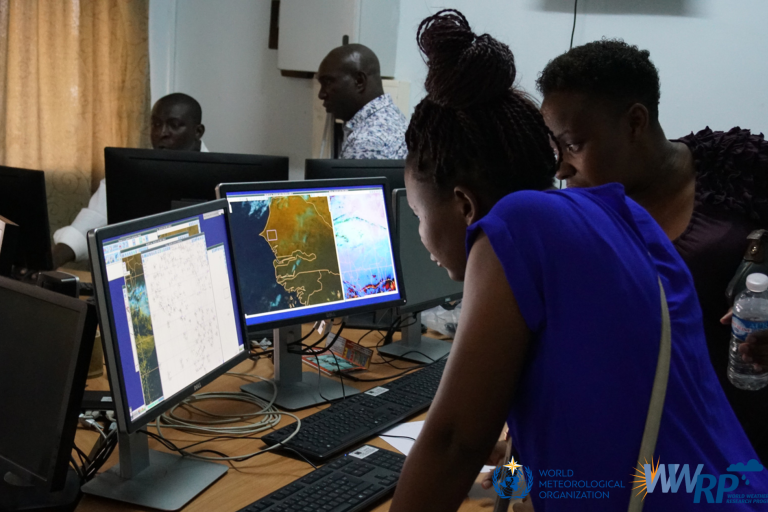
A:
410, 430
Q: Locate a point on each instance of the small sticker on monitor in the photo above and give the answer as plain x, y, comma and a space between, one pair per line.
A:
376, 391
364, 452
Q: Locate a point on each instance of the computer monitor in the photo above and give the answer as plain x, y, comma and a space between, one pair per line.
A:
305, 251
44, 354
143, 182
320, 169
23, 201
171, 322
426, 286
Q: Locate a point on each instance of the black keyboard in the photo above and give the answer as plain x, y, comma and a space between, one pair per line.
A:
346, 423
348, 484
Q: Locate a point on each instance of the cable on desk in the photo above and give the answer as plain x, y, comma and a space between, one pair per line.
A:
104, 448
214, 426
408, 370
309, 351
78, 469
300, 340
397, 324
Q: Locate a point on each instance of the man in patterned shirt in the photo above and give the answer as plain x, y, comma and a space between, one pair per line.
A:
351, 90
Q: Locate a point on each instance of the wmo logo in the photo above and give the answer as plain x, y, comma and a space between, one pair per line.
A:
507, 480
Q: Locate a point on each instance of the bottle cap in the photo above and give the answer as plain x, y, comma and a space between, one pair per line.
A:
757, 282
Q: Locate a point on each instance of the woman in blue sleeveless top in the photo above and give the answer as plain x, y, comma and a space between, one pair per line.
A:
561, 322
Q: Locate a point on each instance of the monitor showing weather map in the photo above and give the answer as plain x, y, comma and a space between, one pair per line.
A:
174, 307
311, 251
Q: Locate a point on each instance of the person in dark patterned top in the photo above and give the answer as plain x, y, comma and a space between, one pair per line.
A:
351, 90
707, 190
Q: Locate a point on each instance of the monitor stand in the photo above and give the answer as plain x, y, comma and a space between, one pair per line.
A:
415, 347
17, 493
296, 389
153, 479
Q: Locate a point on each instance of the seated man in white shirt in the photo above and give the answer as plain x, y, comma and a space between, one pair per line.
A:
351, 90
176, 124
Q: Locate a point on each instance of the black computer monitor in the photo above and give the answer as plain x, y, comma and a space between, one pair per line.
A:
44, 355
320, 169
171, 323
143, 182
426, 286
23, 201
310, 250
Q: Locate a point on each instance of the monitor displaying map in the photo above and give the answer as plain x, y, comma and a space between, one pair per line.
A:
174, 307
311, 251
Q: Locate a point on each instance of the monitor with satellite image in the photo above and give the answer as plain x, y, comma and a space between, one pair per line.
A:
306, 251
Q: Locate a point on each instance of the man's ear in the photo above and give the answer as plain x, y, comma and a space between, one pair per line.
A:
467, 204
361, 81
639, 120
199, 131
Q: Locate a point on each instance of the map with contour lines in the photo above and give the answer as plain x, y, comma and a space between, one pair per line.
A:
300, 233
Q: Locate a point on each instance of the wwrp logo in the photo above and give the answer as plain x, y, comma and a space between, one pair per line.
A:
650, 478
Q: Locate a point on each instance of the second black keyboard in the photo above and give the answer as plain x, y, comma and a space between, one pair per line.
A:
348, 484
346, 423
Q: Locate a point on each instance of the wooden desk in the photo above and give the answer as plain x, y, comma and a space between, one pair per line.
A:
259, 476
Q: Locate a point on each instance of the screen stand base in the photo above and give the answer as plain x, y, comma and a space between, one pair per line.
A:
296, 389
17, 494
415, 347
153, 479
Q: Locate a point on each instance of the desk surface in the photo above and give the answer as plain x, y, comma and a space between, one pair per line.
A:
257, 477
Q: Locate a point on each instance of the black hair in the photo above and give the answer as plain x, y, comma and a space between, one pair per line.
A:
175, 98
474, 128
608, 68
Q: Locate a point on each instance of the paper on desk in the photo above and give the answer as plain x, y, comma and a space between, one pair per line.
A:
412, 430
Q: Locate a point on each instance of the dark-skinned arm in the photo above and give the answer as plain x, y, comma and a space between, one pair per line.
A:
475, 393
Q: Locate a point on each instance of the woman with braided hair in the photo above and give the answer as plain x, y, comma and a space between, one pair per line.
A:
561, 321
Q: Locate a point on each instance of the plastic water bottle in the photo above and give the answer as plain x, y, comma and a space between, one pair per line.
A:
750, 313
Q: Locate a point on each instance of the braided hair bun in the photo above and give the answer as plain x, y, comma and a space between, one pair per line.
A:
465, 70
474, 128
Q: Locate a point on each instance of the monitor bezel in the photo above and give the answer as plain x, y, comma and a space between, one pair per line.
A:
112, 353
224, 188
77, 374
117, 159
368, 167
421, 306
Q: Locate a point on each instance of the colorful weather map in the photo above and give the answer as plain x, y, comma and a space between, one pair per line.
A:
300, 233
302, 250
362, 241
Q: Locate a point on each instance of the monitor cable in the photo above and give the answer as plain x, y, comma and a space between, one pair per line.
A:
218, 426
91, 464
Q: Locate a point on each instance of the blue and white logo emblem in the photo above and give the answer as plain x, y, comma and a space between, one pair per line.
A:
509, 481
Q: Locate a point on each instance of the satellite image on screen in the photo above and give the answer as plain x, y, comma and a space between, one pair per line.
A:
312, 249
141, 327
290, 253
363, 243
300, 233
